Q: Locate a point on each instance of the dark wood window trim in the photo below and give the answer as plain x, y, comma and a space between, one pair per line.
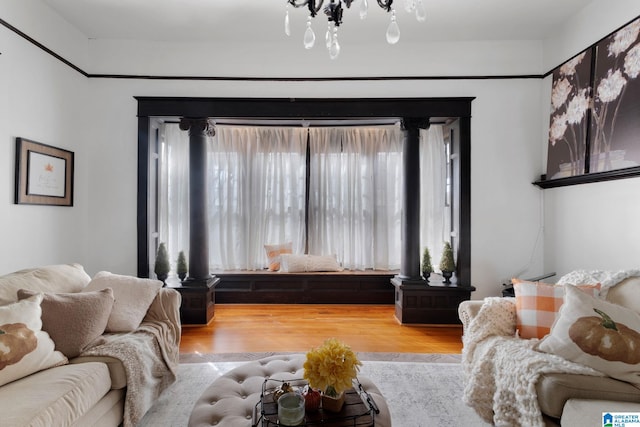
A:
307, 108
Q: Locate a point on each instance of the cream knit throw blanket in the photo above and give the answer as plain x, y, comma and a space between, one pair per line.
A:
502, 370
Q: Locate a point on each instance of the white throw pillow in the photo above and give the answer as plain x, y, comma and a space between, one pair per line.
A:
598, 334
303, 263
24, 347
132, 295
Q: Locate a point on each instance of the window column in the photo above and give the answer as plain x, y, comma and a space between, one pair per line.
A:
198, 298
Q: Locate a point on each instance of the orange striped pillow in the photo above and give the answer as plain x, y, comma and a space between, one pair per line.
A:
537, 305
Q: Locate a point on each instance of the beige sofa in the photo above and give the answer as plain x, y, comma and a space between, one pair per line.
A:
111, 379
573, 399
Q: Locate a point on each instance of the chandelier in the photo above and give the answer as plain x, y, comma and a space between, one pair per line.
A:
333, 10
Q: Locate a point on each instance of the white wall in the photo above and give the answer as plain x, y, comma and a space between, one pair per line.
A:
590, 226
45, 101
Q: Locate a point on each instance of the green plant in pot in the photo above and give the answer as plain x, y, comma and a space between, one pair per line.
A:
447, 265
182, 268
427, 268
162, 267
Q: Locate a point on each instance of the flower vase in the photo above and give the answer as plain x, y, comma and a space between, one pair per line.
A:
332, 404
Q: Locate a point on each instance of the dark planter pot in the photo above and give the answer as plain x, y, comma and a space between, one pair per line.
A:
182, 276
426, 275
447, 276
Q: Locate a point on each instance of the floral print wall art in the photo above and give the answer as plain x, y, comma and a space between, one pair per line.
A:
615, 121
595, 108
570, 97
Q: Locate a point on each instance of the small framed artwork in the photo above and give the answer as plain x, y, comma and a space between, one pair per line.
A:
44, 174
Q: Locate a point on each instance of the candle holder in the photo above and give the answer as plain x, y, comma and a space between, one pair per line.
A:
291, 409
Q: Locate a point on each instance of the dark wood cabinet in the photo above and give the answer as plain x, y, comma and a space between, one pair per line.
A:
198, 301
429, 303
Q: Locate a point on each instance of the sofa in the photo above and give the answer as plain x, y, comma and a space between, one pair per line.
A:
573, 371
83, 351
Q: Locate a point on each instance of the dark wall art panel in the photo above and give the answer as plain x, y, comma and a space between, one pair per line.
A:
594, 128
615, 122
570, 97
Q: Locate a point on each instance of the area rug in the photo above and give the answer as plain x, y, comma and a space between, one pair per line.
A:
425, 391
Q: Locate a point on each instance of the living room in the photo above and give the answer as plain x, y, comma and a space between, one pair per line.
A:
48, 101
69, 90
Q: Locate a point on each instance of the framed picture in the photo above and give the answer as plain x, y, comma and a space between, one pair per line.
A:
570, 98
615, 125
594, 126
44, 174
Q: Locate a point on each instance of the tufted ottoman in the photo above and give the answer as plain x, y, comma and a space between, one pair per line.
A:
231, 399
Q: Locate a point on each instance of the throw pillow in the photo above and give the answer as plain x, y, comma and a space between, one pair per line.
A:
537, 305
302, 263
24, 347
598, 334
274, 252
84, 313
133, 296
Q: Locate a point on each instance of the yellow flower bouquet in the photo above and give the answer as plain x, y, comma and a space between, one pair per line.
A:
331, 367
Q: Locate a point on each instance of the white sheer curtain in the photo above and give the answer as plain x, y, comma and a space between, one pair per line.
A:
256, 193
173, 191
355, 195
433, 222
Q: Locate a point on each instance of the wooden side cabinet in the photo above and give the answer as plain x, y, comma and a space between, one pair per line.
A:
429, 303
198, 301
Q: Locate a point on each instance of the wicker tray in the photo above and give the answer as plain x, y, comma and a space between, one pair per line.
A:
359, 408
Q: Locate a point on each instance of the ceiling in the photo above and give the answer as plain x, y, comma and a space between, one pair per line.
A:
263, 20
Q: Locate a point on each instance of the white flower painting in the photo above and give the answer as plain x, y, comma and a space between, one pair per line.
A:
570, 98
598, 106
615, 117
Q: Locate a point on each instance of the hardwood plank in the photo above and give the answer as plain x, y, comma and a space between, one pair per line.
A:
238, 328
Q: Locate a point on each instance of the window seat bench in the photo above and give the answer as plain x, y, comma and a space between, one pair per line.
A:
272, 287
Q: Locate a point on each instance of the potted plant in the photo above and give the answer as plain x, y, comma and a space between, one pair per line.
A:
332, 367
447, 265
182, 268
162, 267
427, 268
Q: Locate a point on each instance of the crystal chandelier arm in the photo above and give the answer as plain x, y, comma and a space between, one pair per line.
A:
313, 5
385, 4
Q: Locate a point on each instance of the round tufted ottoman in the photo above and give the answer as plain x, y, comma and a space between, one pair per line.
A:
231, 399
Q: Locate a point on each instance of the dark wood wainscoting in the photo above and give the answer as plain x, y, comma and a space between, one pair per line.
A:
267, 287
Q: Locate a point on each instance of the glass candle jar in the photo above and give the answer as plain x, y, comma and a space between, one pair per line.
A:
291, 409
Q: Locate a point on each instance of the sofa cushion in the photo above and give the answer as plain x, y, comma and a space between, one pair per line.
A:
116, 369
598, 334
84, 313
133, 296
274, 252
626, 293
537, 305
54, 397
24, 347
587, 412
52, 278
555, 389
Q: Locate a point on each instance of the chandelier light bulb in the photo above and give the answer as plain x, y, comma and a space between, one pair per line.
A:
393, 32
409, 5
421, 11
309, 36
334, 51
364, 8
287, 27
327, 36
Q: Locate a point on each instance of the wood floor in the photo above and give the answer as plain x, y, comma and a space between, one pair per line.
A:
239, 328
